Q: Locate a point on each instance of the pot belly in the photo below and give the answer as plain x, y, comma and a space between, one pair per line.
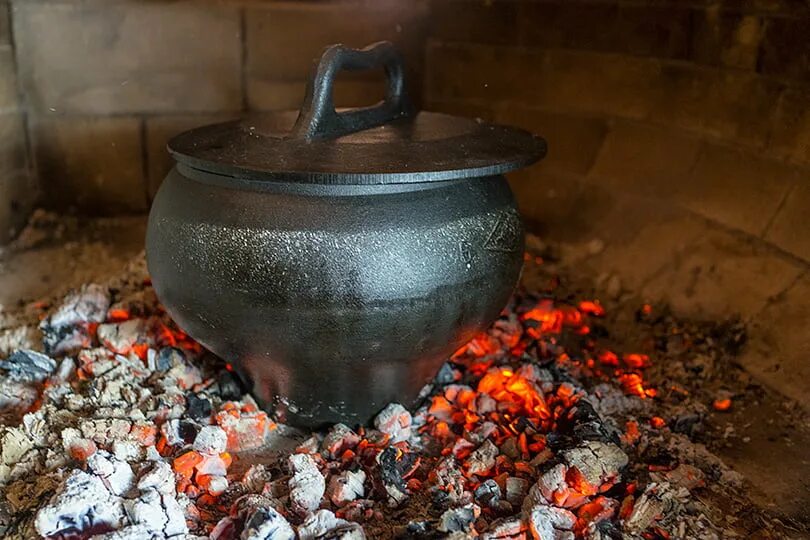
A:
333, 305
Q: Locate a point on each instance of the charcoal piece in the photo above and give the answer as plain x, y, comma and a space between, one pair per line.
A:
516, 489
88, 304
551, 522
488, 493
392, 465
266, 523
395, 421
188, 430
459, 519
598, 462
339, 439
169, 357
346, 487
307, 484
28, 365
210, 440
230, 386
323, 525
582, 424
482, 459
446, 374
198, 406
80, 503
689, 424
505, 529
418, 529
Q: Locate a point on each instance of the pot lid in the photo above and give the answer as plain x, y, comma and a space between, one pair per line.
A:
384, 144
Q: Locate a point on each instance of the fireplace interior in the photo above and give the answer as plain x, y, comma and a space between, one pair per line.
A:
646, 380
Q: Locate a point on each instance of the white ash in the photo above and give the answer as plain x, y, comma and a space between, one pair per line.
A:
323, 525
80, 501
117, 475
131, 532
160, 512
346, 487
551, 523
395, 421
307, 484
88, 304
482, 459
211, 440
459, 519
266, 523
128, 451
159, 477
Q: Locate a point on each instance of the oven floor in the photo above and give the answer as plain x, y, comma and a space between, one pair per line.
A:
765, 436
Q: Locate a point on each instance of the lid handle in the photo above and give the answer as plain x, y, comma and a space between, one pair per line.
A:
318, 118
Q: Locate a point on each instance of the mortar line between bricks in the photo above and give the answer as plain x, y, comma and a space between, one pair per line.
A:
660, 60
778, 210
243, 57
685, 132
144, 161
771, 300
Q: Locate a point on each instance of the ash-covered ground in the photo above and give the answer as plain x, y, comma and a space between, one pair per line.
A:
580, 414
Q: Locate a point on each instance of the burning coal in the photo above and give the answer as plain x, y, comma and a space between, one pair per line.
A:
125, 428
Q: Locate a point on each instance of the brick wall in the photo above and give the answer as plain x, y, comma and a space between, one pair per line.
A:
105, 84
700, 104
17, 189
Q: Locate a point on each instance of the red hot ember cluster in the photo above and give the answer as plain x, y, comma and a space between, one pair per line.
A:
124, 428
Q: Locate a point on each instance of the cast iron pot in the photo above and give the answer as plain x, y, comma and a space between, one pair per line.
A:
337, 259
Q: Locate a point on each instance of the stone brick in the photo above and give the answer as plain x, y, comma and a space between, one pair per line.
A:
282, 39
159, 130
644, 159
736, 188
790, 230
94, 164
651, 30
493, 22
482, 74
727, 104
548, 201
565, 81
790, 135
786, 48
17, 190
12, 143
127, 57
725, 38
573, 141
778, 342
484, 111
721, 274
267, 95
642, 238
8, 80
5, 23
